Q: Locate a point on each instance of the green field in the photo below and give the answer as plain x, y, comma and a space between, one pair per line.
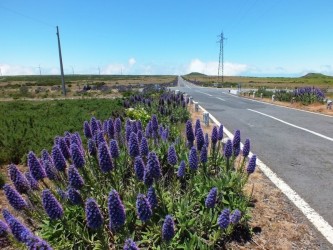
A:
32, 125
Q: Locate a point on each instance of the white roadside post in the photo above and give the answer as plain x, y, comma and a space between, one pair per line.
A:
196, 106
206, 118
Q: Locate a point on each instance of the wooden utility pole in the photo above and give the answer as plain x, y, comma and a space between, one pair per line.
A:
61, 66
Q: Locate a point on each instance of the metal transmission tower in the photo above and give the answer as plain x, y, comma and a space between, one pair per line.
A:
61, 66
221, 62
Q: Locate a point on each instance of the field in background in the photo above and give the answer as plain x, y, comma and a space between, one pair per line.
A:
49, 86
318, 80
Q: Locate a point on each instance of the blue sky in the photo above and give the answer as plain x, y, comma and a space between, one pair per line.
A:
264, 38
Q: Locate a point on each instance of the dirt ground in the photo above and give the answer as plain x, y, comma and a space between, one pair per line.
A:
276, 222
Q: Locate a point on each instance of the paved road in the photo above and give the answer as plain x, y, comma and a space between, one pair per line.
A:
296, 145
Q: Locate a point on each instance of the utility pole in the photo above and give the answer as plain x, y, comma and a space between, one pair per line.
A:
61, 66
221, 62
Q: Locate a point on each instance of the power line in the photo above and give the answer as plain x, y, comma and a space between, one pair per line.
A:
26, 16
221, 58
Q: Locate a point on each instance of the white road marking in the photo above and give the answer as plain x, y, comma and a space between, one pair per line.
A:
203, 93
293, 125
187, 86
220, 99
316, 219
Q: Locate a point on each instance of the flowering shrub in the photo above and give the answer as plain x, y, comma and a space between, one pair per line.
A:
150, 191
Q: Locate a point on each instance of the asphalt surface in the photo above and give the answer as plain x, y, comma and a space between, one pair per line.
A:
302, 156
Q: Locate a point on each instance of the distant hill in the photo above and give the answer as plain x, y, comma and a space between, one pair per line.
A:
196, 74
315, 75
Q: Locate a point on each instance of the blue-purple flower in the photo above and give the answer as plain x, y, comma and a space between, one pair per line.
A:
64, 149
151, 196
74, 178
200, 138
104, 158
92, 147
236, 140
19, 180
77, 156
246, 148
154, 123
117, 212
110, 129
235, 216
130, 245
228, 149
204, 154
144, 150
51, 205
211, 198
94, 216
19, 231
168, 228
214, 136
220, 133
36, 169
189, 133
206, 140
128, 131
197, 126
94, 125
31, 180
117, 125
143, 208
46, 156
87, 130
3, 229
139, 168
193, 159
74, 196
114, 149
252, 164
133, 145
153, 165
223, 220
14, 198
181, 169
58, 159
172, 156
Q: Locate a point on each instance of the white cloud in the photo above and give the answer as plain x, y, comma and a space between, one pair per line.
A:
131, 61
211, 68
10, 70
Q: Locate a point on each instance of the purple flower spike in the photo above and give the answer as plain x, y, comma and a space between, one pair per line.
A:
50, 170
189, 133
33, 242
19, 231
214, 136
236, 151
77, 156
128, 132
58, 159
19, 180
236, 140
154, 123
105, 127
36, 169
151, 196
168, 228
220, 133
114, 149
94, 216
110, 129
32, 182
14, 198
200, 139
100, 138
153, 166
3, 229
51, 205
87, 130
91, 147
130, 245
228, 149
139, 125
144, 150
197, 126
211, 198
139, 168
46, 156
93, 125
147, 177
64, 149
74, 196
246, 148
206, 140
104, 158
193, 159
139, 134
117, 125
252, 164
143, 208
133, 145
116, 209
74, 178
181, 170
235, 217
149, 130
172, 156
203, 154
134, 127
224, 220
